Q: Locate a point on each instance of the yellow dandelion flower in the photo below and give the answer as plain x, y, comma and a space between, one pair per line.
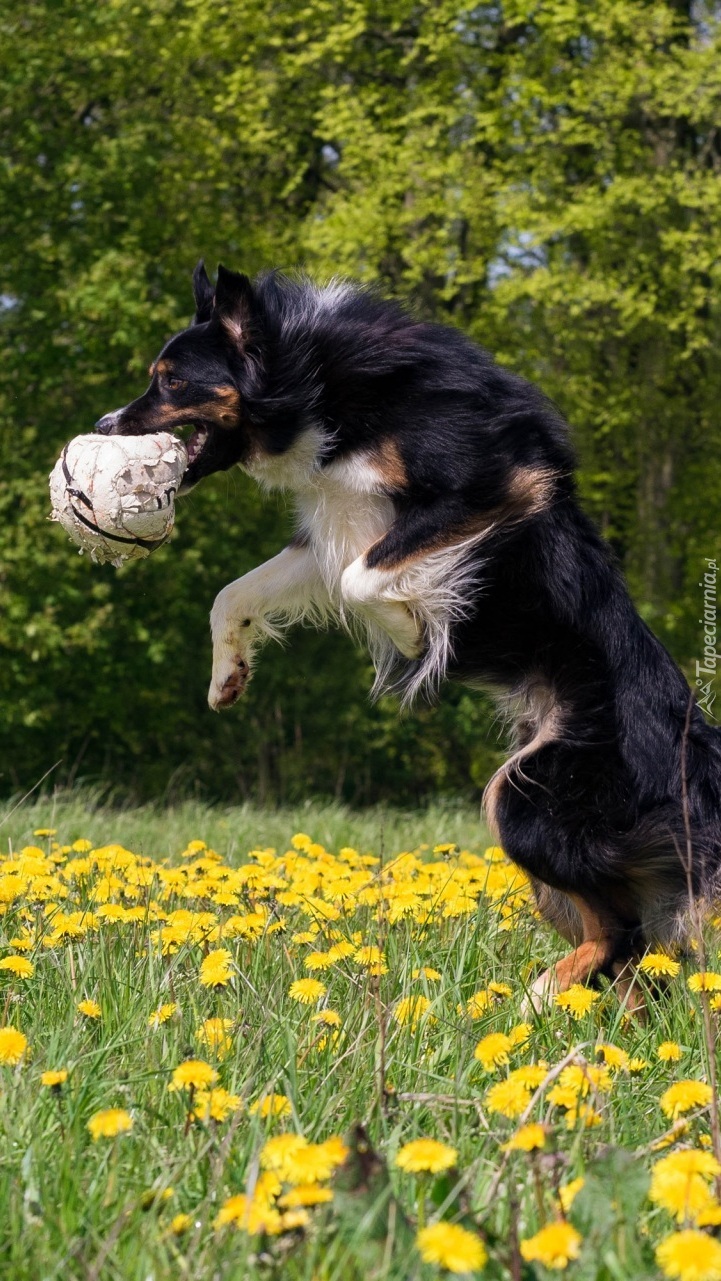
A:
669, 1052
705, 981
411, 1010
519, 1034
214, 1105
214, 1034
193, 1074
54, 1078
22, 943
493, 1050
251, 1216
682, 1096
294, 1219
428, 973
277, 1151
216, 968
339, 951
301, 842
576, 1082
494, 854
530, 1075
314, 1162
500, 989
90, 1009
109, 1123
304, 1195
568, 1192
319, 960
659, 965
451, 1247
583, 1113
181, 1223
683, 1193
709, 1216
162, 1014
45, 831
425, 1154
13, 1045
613, 1056
637, 1065
307, 991
527, 1139
690, 1256
328, 1018
271, 1105
371, 959
578, 1000
20, 966
510, 1097
477, 1005
155, 1197
679, 1130
554, 1246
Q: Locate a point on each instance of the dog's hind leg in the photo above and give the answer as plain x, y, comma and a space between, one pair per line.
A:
594, 954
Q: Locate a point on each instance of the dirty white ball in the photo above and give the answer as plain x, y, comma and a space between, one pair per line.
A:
115, 495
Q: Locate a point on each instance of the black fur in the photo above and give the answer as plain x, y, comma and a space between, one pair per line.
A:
596, 811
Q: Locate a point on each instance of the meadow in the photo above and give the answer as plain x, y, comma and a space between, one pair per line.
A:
241, 1043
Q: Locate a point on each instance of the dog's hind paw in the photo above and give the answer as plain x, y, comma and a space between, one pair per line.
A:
540, 994
228, 684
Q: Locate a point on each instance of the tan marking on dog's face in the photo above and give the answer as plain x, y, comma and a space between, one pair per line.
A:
161, 367
223, 412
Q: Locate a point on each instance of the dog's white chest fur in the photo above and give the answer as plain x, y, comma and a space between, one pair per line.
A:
342, 509
343, 512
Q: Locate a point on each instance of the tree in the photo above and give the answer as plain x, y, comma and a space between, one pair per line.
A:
545, 176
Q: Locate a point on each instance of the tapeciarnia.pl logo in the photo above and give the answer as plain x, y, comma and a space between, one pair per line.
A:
706, 671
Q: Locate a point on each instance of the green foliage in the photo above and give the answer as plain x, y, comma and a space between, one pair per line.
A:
547, 177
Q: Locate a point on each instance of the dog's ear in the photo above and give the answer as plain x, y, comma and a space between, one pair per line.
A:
234, 304
203, 292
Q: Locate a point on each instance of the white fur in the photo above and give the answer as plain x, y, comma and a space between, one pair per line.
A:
342, 512
343, 509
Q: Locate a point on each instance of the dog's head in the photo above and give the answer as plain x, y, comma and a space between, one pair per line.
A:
197, 380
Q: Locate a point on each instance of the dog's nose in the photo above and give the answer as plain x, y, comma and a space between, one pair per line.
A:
108, 424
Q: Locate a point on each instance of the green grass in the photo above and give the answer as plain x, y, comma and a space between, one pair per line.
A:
234, 830
74, 1208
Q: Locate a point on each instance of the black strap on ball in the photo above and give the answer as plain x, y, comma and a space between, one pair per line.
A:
148, 543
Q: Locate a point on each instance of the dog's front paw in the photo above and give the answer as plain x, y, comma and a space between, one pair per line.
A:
230, 678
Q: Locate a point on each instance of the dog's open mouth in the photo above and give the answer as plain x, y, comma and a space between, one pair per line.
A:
196, 442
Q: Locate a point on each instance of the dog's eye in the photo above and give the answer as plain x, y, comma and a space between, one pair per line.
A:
176, 384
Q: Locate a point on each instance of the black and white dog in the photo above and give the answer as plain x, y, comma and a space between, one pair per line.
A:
437, 512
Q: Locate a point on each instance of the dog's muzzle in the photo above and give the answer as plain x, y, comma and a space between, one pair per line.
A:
109, 424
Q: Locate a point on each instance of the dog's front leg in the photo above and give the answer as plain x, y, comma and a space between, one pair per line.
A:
257, 606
